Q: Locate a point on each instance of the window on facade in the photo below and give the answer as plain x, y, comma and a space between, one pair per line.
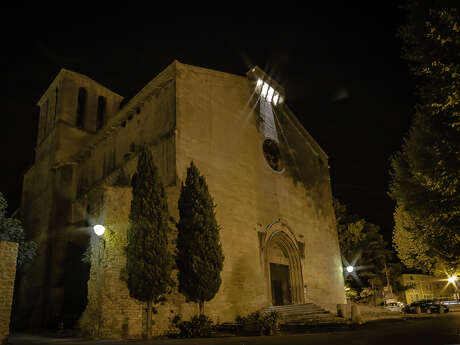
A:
81, 107
101, 103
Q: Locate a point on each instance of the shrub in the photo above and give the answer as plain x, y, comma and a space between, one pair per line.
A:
11, 230
199, 326
259, 323
271, 322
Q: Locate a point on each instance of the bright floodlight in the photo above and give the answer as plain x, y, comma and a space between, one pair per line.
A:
270, 94
99, 229
275, 98
350, 269
264, 90
452, 279
259, 82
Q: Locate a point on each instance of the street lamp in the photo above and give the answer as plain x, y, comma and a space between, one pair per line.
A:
350, 269
452, 279
99, 229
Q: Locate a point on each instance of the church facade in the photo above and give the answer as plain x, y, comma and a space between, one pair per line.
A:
268, 177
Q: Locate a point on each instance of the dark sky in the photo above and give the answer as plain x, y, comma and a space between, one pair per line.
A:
339, 62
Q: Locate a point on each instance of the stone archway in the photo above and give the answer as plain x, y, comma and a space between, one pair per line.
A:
283, 268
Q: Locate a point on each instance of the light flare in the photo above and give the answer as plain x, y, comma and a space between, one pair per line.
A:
99, 229
452, 279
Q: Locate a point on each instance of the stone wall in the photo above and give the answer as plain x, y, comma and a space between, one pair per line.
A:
217, 128
8, 255
111, 312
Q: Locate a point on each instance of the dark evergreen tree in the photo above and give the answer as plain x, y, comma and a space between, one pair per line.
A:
426, 173
149, 261
199, 252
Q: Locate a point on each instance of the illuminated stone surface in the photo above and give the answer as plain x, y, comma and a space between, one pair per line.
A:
185, 113
8, 255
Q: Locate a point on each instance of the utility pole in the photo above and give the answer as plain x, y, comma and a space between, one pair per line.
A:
387, 276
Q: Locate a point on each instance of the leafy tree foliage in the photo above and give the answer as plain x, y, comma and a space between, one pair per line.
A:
199, 252
11, 230
411, 248
360, 241
426, 172
363, 247
149, 262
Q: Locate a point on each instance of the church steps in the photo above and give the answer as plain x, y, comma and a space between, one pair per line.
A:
308, 314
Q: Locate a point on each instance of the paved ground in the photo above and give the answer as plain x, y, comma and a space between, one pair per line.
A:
433, 330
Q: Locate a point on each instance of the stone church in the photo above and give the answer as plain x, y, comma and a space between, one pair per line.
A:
269, 179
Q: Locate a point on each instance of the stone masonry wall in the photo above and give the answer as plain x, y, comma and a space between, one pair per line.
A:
111, 312
8, 253
217, 129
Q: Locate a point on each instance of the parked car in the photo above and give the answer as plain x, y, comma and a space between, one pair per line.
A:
428, 307
394, 306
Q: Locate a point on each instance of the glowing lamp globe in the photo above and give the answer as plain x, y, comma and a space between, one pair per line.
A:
99, 229
350, 269
452, 279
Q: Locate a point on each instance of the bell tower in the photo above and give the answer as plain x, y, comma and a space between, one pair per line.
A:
73, 110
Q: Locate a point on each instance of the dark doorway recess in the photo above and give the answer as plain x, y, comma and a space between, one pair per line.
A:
75, 284
281, 290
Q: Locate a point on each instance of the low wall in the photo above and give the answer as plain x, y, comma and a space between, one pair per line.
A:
8, 255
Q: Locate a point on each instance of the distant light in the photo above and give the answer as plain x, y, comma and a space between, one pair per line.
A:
264, 90
350, 269
452, 279
270, 94
259, 82
275, 98
99, 229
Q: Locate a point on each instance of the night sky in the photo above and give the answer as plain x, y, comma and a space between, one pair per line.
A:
340, 64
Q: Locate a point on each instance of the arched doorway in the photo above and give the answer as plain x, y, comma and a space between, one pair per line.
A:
282, 263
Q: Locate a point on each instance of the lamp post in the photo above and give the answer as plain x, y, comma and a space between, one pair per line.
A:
99, 231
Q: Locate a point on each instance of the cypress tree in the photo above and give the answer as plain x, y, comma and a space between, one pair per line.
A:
199, 252
149, 262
